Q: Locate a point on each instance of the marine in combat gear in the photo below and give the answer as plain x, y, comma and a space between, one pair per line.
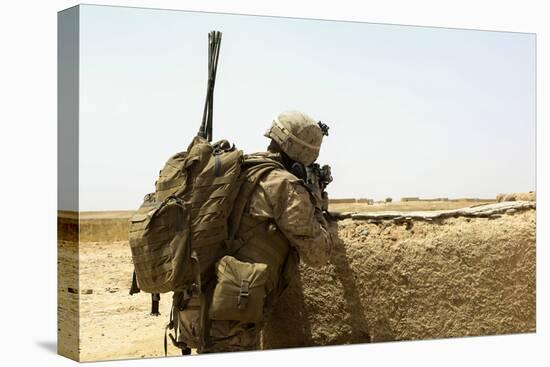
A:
282, 224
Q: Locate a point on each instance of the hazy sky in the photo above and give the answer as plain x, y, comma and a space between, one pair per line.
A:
413, 111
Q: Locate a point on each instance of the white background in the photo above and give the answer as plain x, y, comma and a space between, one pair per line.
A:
28, 182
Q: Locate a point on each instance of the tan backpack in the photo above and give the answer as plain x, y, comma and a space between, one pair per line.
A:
189, 223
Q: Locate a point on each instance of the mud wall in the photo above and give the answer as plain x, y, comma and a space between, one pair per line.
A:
105, 229
403, 278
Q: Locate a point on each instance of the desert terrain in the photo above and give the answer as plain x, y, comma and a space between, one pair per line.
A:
406, 206
399, 271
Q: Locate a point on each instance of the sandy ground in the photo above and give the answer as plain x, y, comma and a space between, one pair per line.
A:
67, 299
115, 325
406, 206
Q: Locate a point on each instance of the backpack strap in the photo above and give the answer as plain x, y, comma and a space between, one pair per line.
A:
205, 322
254, 169
241, 240
134, 288
179, 302
170, 326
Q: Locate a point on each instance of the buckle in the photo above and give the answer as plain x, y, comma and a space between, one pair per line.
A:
243, 295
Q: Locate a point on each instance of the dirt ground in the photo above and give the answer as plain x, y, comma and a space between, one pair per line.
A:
386, 281
115, 325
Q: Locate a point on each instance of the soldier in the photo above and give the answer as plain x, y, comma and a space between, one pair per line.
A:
282, 223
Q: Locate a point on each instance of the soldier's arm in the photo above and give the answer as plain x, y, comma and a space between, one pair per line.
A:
299, 220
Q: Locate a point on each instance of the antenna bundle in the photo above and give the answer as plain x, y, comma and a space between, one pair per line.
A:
214, 41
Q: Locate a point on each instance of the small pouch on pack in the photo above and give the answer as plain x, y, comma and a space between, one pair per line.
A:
240, 291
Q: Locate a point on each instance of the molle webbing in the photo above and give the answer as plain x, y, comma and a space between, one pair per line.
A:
172, 177
257, 168
195, 194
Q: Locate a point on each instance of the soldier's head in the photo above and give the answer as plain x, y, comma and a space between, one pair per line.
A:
297, 135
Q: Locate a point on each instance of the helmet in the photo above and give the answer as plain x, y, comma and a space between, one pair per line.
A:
298, 135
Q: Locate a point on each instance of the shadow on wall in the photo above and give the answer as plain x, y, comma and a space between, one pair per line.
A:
357, 320
290, 322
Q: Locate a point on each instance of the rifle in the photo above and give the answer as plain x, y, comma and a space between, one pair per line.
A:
214, 41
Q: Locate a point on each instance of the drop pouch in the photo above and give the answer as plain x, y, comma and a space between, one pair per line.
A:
240, 291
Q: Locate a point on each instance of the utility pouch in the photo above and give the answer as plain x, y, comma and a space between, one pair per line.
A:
159, 241
240, 291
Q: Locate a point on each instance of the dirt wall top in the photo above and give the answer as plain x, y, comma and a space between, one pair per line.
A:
481, 211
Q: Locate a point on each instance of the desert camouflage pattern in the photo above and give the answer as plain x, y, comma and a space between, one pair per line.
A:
298, 135
290, 227
284, 198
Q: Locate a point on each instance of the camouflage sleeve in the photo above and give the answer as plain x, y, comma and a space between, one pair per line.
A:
298, 219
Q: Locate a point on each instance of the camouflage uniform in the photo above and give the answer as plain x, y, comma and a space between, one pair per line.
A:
291, 226
283, 197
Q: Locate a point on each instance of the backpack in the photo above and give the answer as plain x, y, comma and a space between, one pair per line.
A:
189, 223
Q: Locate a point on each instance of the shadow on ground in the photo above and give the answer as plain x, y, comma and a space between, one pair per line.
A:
48, 345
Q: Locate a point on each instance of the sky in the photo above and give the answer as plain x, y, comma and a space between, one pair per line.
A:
413, 111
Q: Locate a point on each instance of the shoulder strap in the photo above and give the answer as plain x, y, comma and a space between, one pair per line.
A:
254, 168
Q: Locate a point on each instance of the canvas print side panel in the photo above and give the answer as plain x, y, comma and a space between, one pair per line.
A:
67, 184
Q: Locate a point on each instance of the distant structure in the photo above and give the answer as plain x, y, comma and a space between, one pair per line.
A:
342, 201
365, 201
352, 200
